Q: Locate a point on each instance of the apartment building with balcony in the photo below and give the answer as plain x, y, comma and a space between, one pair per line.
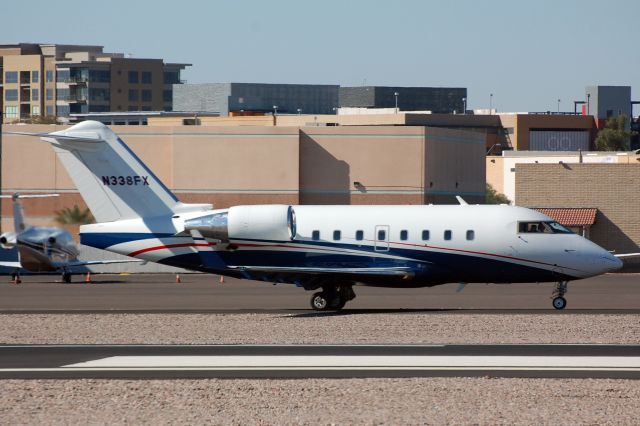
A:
52, 80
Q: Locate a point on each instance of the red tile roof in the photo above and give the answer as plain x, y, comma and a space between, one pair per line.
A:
571, 216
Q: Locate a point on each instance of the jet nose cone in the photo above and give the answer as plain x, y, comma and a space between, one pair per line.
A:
610, 262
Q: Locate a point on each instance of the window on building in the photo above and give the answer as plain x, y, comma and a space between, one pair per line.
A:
382, 235
48, 76
63, 76
99, 108
146, 95
133, 77
49, 110
337, 235
471, 235
359, 235
167, 108
425, 235
99, 76
145, 108
133, 95
49, 94
146, 77
35, 94
35, 76
63, 110
11, 77
447, 235
62, 94
167, 95
35, 110
11, 95
171, 77
133, 108
99, 95
11, 112
404, 235
315, 235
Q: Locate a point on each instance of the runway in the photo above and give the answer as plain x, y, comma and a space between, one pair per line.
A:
317, 361
202, 293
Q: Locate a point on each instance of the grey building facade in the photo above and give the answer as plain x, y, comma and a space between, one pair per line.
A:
443, 100
608, 101
230, 98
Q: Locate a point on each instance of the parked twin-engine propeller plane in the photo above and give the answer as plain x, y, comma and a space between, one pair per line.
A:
42, 249
326, 248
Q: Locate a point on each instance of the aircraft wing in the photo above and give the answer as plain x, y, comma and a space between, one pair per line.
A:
96, 262
626, 255
393, 271
11, 264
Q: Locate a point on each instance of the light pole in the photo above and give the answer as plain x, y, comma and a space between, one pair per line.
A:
275, 110
464, 105
588, 99
396, 95
558, 105
299, 111
491, 103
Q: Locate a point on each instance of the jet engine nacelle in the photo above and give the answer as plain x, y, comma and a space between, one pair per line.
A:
259, 222
8, 240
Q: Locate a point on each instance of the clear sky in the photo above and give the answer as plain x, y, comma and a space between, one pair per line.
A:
528, 54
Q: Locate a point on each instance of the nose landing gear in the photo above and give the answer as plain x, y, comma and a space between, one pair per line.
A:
559, 302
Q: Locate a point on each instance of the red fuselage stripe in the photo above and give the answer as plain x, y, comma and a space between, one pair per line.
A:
167, 246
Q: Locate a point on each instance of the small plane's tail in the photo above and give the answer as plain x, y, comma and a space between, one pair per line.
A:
18, 212
112, 180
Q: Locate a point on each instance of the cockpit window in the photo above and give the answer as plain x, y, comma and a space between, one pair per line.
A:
542, 228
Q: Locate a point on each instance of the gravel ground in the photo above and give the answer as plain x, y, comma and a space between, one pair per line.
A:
349, 401
433, 328
320, 401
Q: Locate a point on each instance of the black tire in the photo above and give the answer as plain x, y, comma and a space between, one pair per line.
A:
66, 277
319, 301
559, 303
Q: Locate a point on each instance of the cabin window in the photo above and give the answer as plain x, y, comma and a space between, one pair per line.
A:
315, 235
447, 234
471, 234
382, 235
359, 235
425, 235
542, 228
404, 235
336, 235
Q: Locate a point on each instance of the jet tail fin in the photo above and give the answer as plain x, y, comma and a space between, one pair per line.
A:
112, 180
18, 211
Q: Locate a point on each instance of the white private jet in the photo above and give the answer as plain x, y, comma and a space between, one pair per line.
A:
317, 247
42, 249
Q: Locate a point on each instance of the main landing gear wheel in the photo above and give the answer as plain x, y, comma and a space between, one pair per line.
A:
319, 301
66, 277
333, 298
559, 302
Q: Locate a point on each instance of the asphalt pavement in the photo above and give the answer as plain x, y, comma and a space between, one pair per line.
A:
304, 361
156, 293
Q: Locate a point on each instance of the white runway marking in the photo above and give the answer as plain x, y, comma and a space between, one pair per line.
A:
317, 362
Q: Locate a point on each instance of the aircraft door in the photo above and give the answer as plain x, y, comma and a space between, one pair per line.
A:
381, 238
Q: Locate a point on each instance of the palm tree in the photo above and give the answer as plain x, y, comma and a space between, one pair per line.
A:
74, 216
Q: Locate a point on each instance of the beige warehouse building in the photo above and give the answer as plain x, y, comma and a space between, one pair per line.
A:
610, 188
269, 164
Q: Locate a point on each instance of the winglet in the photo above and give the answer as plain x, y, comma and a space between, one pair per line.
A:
461, 201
